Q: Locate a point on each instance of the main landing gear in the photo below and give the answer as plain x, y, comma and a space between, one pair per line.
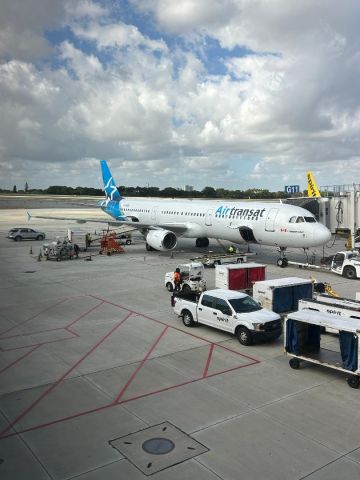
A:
282, 261
202, 242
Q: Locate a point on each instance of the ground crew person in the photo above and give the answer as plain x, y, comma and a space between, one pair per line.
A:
231, 249
177, 280
87, 240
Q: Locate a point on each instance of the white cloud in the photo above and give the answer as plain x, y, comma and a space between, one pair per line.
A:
114, 90
22, 27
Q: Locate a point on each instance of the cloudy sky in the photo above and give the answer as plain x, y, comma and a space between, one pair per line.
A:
227, 93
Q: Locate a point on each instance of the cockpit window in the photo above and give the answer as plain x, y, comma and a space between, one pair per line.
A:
300, 219
292, 220
310, 219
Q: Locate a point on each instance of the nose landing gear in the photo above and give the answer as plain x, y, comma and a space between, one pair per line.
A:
282, 261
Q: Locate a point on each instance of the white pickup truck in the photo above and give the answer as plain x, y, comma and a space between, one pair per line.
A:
231, 311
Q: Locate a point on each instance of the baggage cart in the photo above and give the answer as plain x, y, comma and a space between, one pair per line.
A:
302, 343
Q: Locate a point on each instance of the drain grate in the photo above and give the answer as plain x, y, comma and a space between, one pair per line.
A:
157, 448
30, 271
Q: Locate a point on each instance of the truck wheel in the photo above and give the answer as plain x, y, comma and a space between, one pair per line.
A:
186, 288
353, 381
169, 287
350, 273
244, 336
187, 319
17, 238
294, 363
128, 242
40, 237
217, 262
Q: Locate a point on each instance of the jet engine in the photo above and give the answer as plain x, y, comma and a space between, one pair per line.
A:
161, 240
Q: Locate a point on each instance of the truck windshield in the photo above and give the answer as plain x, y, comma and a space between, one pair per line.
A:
247, 304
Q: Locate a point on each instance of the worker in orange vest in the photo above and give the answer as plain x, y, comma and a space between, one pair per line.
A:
177, 280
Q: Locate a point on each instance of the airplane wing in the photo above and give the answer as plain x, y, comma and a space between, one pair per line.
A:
172, 226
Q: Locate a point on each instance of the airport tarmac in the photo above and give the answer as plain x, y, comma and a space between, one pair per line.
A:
94, 366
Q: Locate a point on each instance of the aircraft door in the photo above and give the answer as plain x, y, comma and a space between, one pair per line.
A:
154, 214
208, 218
270, 221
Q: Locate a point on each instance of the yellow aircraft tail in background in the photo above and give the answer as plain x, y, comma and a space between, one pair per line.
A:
312, 188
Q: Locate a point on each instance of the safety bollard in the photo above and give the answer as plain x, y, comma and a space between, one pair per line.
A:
31, 251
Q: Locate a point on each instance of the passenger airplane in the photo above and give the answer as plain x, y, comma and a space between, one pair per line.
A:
162, 221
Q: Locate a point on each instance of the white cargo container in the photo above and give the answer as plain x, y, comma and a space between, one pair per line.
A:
340, 307
241, 276
282, 294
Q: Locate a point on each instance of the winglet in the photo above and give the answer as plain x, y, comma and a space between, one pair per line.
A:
110, 189
312, 188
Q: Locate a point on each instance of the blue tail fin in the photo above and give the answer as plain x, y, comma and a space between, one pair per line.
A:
110, 189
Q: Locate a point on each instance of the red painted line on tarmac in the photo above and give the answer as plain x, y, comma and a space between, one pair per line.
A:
34, 316
173, 387
73, 333
54, 422
176, 328
19, 359
123, 390
32, 333
54, 385
113, 404
84, 314
208, 360
49, 330
39, 344
118, 400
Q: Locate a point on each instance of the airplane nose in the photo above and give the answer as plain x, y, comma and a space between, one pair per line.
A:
323, 235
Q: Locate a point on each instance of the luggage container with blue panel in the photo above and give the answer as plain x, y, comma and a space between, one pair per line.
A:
281, 295
303, 342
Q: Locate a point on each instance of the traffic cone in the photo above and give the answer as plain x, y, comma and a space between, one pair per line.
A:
31, 251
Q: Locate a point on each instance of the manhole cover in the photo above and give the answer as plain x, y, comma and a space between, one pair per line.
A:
153, 449
30, 271
158, 446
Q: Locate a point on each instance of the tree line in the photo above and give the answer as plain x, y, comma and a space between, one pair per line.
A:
207, 192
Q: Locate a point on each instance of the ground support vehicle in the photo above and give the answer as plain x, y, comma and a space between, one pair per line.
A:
302, 342
109, 243
59, 251
233, 312
192, 275
125, 238
346, 264
18, 234
341, 307
240, 276
212, 259
281, 295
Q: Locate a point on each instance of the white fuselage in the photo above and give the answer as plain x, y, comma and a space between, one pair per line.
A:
274, 224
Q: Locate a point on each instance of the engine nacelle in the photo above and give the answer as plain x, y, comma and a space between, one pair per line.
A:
161, 240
